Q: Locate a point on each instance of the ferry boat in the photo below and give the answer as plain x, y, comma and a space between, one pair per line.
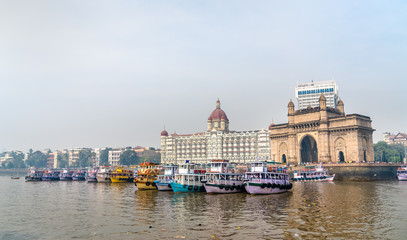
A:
262, 179
315, 173
146, 176
79, 175
163, 182
104, 174
189, 179
402, 173
66, 175
223, 179
122, 175
90, 175
34, 175
50, 175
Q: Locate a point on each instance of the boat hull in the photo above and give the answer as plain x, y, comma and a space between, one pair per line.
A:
146, 185
103, 179
256, 188
402, 177
176, 187
32, 179
121, 179
215, 188
164, 186
326, 179
91, 179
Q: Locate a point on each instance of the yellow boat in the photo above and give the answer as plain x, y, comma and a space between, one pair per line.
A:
146, 175
122, 175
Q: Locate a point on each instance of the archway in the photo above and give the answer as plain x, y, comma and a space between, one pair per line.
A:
309, 150
364, 156
284, 159
341, 157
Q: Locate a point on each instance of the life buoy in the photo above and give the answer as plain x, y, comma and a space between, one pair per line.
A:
196, 188
147, 183
223, 170
190, 188
263, 185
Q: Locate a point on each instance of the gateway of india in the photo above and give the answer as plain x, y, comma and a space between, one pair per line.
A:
319, 132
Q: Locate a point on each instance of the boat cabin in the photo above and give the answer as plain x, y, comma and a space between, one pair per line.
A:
220, 166
170, 169
258, 167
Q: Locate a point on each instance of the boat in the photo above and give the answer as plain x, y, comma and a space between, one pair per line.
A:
189, 178
402, 173
79, 175
34, 175
122, 175
223, 179
146, 176
50, 175
90, 175
15, 177
104, 173
66, 175
262, 179
313, 173
163, 182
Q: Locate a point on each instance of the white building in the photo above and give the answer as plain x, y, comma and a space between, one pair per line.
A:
309, 93
216, 143
114, 156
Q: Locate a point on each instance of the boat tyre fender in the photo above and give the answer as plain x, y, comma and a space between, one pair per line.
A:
226, 188
232, 188
221, 186
169, 185
196, 188
202, 188
153, 184
147, 183
190, 188
263, 185
273, 185
290, 186
185, 186
268, 185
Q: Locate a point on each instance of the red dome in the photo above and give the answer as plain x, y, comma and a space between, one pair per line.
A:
218, 113
164, 133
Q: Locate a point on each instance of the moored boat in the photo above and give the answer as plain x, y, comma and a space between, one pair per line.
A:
402, 173
146, 176
90, 175
262, 179
50, 175
104, 173
122, 175
34, 175
189, 179
313, 173
66, 175
79, 175
163, 182
223, 179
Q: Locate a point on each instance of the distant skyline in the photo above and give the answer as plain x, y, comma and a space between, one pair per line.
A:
112, 74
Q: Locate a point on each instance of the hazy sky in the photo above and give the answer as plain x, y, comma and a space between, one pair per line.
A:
112, 73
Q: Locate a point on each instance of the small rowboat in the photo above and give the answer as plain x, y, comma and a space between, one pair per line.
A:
15, 177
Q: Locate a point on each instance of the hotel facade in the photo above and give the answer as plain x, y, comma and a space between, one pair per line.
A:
218, 142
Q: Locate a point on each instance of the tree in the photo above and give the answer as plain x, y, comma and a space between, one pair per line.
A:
63, 160
104, 157
37, 159
388, 152
17, 161
151, 156
84, 157
129, 157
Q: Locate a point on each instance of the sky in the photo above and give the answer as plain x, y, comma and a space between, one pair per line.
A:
113, 73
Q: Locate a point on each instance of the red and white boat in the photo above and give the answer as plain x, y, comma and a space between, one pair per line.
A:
222, 178
402, 173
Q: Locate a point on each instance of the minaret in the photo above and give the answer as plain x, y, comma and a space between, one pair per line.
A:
291, 111
341, 107
322, 108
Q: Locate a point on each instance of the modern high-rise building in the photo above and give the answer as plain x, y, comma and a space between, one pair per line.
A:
308, 94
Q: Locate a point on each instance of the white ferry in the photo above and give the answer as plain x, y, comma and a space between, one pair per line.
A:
189, 178
163, 182
223, 179
104, 174
402, 173
315, 173
266, 180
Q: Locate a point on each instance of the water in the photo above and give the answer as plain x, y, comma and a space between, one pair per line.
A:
81, 210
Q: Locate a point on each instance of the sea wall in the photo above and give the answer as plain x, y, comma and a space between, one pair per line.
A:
361, 171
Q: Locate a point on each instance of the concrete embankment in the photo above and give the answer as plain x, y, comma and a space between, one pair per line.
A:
360, 171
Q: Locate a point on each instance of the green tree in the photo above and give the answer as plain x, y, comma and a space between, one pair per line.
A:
37, 159
151, 156
104, 157
84, 158
63, 160
129, 157
384, 152
17, 161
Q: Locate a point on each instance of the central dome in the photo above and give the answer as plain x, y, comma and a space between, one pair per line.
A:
218, 113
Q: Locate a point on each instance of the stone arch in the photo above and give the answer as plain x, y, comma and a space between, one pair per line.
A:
283, 152
340, 149
364, 149
308, 149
